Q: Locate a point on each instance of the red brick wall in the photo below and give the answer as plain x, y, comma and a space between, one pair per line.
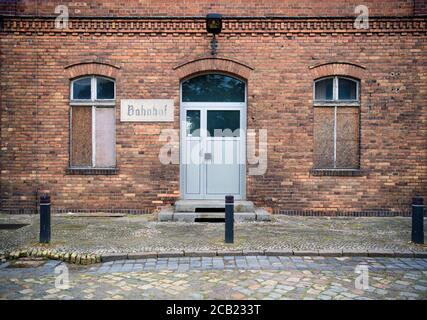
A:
420, 7
8, 7
226, 7
35, 117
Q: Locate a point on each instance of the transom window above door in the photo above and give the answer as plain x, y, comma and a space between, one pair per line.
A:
213, 88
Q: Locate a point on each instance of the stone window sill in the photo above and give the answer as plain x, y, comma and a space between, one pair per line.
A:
336, 172
92, 171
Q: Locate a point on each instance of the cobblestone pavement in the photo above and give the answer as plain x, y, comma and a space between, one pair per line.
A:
100, 235
251, 277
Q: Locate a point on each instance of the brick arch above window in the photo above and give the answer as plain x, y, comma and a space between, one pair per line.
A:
338, 69
203, 65
80, 69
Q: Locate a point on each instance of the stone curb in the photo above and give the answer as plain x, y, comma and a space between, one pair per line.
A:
200, 253
86, 259
278, 252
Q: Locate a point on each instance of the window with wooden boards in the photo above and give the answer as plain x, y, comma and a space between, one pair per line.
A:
93, 134
336, 123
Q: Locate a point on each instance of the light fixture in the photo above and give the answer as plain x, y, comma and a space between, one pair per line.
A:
214, 23
214, 26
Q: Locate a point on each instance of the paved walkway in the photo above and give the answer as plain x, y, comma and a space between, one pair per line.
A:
144, 234
251, 277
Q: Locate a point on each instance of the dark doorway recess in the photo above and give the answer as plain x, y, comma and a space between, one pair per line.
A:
11, 226
210, 209
215, 220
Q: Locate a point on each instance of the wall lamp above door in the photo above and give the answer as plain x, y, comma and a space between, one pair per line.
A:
214, 26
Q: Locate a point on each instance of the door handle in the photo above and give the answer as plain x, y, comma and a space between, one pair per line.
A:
208, 156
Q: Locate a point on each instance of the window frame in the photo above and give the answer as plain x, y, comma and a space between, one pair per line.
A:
337, 103
335, 93
93, 90
92, 103
195, 103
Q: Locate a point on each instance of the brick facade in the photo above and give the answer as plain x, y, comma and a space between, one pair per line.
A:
420, 7
296, 8
279, 58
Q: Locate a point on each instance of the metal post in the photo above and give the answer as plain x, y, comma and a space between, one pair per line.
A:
417, 220
45, 218
229, 219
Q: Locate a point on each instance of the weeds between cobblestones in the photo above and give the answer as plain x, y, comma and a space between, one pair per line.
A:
71, 257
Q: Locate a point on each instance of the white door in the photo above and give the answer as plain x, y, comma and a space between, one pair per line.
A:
213, 154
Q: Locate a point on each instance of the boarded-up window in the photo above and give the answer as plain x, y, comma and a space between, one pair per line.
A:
336, 125
347, 123
324, 137
105, 137
93, 134
81, 139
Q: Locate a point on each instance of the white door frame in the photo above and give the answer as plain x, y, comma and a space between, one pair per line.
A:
203, 107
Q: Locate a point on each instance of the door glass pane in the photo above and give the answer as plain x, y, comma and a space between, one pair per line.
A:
105, 88
213, 88
218, 121
81, 88
324, 89
347, 89
193, 123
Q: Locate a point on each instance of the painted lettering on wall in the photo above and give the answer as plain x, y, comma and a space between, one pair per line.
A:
147, 110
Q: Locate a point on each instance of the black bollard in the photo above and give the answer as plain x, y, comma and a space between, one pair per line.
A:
229, 219
417, 220
45, 218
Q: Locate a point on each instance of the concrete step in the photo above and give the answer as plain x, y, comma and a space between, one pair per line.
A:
168, 214
193, 205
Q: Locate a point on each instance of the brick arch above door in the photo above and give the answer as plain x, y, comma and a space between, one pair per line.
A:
209, 64
80, 69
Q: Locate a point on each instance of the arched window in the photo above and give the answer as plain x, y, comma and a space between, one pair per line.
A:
336, 123
93, 88
213, 88
92, 122
336, 89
